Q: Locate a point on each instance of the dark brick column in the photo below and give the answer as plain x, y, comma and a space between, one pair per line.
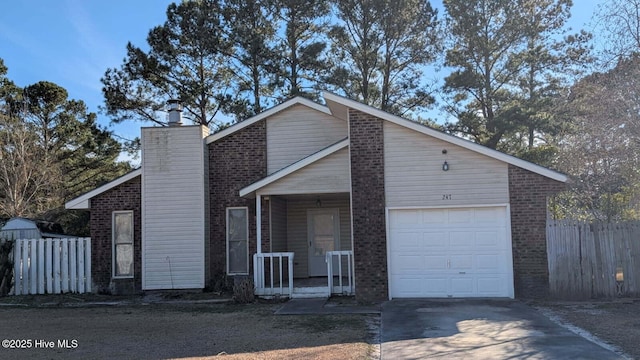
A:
235, 161
366, 144
126, 196
528, 194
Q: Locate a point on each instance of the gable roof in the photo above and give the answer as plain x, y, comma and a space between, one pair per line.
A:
82, 201
333, 99
265, 114
294, 167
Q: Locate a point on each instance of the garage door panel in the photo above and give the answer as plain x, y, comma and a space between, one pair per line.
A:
434, 287
460, 216
461, 262
490, 217
434, 217
435, 262
464, 239
406, 217
490, 286
407, 240
408, 264
408, 286
435, 241
450, 253
462, 286
489, 239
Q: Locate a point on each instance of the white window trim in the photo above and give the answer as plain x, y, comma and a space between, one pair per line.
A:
113, 244
226, 234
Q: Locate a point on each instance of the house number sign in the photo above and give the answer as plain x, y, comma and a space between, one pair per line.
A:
446, 197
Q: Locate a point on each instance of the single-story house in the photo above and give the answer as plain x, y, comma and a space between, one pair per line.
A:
367, 202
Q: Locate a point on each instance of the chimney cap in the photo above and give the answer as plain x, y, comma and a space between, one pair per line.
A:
174, 104
175, 112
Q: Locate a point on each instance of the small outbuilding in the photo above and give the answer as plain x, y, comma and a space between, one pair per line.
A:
23, 228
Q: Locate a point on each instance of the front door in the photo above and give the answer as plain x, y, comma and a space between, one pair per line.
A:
323, 232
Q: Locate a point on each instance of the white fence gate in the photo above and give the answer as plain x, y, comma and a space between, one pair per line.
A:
52, 266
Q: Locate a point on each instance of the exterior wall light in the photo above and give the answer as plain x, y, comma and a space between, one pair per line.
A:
445, 166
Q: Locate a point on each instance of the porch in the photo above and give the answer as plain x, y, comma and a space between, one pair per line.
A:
308, 238
273, 276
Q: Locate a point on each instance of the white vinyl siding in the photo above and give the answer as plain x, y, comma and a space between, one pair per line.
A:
298, 132
122, 242
414, 175
278, 218
297, 234
328, 175
237, 228
173, 196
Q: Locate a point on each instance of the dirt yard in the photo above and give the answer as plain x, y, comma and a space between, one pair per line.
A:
192, 331
615, 322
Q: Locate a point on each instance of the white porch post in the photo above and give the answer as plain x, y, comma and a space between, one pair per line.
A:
259, 223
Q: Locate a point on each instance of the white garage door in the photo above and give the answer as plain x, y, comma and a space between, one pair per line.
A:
459, 252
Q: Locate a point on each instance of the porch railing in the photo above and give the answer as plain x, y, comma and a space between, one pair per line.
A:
344, 259
278, 281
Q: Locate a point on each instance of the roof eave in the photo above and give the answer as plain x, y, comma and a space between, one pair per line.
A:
82, 202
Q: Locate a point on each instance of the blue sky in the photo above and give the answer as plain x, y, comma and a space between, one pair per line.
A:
73, 42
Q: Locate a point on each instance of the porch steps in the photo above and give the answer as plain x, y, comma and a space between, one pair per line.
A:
310, 292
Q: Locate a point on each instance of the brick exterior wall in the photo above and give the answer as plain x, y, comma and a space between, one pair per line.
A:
366, 142
126, 196
528, 194
236, 161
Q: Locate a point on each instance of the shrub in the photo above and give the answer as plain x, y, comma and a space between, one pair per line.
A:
243, 291
220, 283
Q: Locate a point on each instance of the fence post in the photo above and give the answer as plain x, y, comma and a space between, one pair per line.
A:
41, 271
80, 275
17, 267
87, 264
56, 266
25, 267
73, 265
48, 266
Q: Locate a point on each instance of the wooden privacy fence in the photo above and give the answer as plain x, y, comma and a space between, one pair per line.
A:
593, 260
52, 266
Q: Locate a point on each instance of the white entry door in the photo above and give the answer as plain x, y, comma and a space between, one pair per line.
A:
459, 252
323, 235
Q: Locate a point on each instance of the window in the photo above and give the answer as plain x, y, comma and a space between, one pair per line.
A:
122, 244
237, 240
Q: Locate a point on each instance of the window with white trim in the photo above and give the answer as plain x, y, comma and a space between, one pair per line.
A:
237, 240
122, 233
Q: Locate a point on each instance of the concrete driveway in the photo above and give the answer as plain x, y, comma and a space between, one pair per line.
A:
478, 329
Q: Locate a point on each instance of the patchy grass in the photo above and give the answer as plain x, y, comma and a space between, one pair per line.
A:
188, 330
70, 299
325, 323
616, 322
62, 299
